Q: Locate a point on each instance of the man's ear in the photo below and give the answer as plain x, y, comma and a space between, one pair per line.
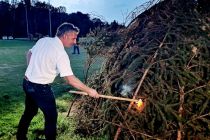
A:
65, 36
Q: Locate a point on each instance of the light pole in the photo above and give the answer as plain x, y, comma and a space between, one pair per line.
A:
50, 19
26, 10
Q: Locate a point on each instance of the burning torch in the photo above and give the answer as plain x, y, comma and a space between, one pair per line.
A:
139, 102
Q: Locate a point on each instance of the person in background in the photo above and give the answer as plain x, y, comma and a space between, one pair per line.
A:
76, 48
46, 60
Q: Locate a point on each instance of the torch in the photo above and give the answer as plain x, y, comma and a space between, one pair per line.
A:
138, 102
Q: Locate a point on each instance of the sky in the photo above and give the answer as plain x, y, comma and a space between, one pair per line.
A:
109, 10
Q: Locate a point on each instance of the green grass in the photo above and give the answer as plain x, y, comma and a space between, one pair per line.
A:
12, 68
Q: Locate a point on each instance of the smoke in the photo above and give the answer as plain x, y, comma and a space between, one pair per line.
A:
126, 90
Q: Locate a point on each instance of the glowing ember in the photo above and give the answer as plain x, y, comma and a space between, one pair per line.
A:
139, 103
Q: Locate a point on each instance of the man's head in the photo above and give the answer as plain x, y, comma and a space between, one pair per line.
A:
67, 33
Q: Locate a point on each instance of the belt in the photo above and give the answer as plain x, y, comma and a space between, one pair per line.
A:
26, 78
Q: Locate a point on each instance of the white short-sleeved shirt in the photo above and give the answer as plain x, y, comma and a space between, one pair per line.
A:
48, 59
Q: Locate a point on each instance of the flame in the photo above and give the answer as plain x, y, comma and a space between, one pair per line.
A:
139, 103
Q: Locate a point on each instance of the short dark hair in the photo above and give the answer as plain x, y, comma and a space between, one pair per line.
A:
66, 27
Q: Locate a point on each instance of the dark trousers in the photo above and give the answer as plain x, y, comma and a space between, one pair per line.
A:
76, 48
38, 96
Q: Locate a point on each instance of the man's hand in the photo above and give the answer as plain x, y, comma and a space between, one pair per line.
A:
93, 93
75, 82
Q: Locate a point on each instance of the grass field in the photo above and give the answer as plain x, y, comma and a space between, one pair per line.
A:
12, 68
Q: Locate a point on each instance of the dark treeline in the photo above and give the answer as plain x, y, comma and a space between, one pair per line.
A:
25, 20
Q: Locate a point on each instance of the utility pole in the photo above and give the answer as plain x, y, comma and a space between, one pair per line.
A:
14, 6
50, 26
26, 10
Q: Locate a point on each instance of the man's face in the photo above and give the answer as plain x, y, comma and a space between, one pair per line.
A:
70, 39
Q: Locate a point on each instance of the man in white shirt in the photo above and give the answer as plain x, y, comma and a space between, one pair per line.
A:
46, 60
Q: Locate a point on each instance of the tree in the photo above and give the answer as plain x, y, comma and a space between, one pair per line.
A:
5, 16
28, 18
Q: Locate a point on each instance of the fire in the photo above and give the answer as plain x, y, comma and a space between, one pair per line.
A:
140, 103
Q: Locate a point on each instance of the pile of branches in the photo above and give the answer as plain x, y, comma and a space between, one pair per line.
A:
164, 58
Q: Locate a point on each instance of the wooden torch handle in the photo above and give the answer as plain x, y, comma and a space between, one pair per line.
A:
106, 96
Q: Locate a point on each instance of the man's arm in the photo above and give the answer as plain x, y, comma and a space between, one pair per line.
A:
28, 56
75, 82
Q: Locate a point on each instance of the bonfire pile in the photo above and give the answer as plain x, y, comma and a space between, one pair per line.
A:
163, 57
